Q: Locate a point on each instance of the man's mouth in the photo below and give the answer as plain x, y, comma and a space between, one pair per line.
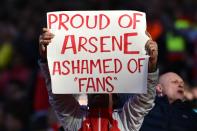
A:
180, 91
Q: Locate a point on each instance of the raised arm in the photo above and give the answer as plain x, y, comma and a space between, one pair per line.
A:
138, 106
66, 106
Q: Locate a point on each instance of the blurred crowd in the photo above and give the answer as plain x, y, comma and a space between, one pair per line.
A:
23, 96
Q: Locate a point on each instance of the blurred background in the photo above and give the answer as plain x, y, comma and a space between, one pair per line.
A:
23, 97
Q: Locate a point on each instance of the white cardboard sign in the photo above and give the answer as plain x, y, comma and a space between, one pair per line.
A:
97, 52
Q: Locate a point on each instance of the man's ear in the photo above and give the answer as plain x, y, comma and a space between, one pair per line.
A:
159, 90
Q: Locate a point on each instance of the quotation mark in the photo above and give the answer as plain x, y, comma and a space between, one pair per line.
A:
115, 78
75, 79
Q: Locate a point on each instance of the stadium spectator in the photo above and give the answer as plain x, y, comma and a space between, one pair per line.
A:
100, 114
170, 112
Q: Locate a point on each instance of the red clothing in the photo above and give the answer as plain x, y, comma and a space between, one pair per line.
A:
98, 117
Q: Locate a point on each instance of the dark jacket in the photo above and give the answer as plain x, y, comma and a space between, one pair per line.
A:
178, 116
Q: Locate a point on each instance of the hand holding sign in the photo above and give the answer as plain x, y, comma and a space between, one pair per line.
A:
152, 51
44, 40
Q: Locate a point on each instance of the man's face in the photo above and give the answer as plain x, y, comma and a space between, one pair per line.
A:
173, 87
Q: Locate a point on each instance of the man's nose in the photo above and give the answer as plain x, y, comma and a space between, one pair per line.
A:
181, 85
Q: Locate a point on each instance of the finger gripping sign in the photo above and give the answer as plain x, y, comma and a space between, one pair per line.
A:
97, 52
